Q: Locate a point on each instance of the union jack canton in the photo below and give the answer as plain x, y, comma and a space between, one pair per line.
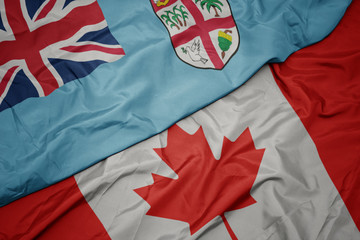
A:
47, 43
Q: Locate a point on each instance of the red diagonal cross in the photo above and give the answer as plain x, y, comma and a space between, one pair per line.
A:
27, 44
202, 29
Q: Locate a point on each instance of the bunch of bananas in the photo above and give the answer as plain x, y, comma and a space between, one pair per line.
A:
225, 41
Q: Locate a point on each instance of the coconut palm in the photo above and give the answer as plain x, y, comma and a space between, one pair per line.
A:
215, 4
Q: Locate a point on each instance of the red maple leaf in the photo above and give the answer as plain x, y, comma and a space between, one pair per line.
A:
205, 187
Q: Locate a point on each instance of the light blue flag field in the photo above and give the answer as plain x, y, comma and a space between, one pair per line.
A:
82, 79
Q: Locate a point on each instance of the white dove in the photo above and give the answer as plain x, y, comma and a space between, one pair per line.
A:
194, 52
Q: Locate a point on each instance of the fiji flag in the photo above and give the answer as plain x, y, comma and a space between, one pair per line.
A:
181, 55
46, 43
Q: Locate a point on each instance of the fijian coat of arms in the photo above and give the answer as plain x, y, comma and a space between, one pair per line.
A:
203, 32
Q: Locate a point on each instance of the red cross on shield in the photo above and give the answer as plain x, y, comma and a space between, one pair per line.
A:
203, 32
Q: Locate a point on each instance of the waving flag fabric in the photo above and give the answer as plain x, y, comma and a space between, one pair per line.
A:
40, 52
322, 84
113, 105
275, 159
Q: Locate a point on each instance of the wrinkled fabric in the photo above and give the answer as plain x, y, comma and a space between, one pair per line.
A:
45, 140
56, 212
321, 83
295, 198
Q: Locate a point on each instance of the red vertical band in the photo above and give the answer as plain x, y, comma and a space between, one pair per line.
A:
57, 212
322, 83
